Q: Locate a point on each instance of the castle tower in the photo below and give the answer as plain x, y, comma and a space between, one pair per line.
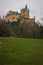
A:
25, 12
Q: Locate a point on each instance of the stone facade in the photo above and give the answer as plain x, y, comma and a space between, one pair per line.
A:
25, 12
14, 16
11, 16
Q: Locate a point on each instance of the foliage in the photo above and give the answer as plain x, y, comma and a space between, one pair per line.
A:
21, 29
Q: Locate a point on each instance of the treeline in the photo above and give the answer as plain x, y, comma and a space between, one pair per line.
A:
20, 29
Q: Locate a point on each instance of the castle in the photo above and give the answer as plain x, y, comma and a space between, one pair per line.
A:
14, 16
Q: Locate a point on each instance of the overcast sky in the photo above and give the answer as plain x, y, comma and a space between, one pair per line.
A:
35, 6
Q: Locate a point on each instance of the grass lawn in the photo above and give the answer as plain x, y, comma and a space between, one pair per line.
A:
21, 51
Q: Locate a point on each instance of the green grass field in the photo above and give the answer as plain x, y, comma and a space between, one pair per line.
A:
19, 51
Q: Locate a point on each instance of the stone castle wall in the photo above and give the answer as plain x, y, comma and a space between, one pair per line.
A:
14, 16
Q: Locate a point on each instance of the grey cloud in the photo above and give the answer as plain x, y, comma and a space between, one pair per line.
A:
35, 6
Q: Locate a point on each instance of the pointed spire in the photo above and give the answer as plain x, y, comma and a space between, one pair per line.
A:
26, 6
